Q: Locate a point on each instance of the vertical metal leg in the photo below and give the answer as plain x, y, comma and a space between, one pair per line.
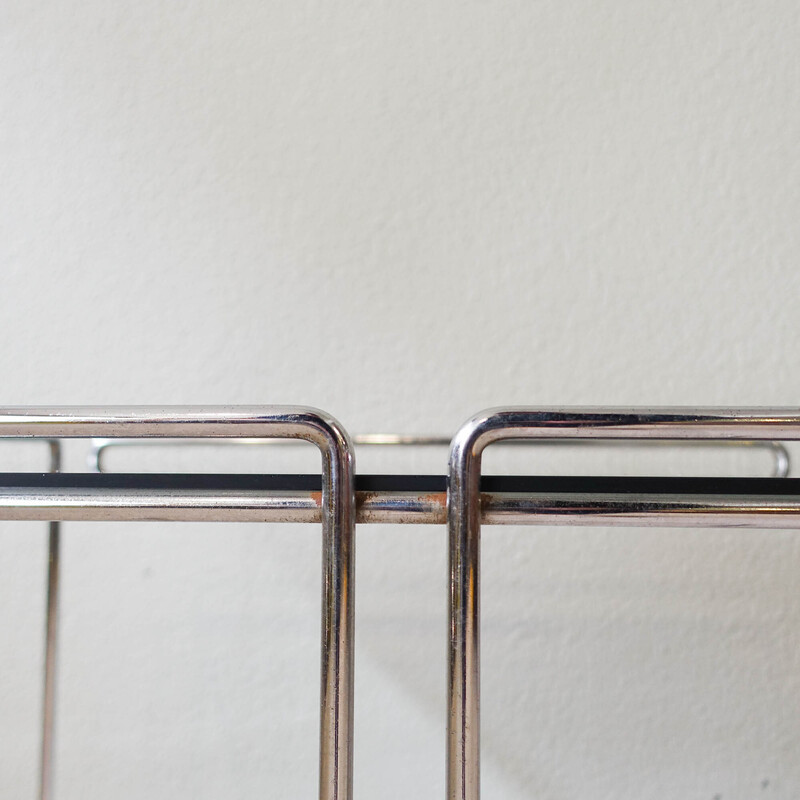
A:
463, 663
49, 693
51, 641
338, 617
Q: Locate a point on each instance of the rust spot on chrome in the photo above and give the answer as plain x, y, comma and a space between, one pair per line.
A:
437, 499
317, 498
362, 498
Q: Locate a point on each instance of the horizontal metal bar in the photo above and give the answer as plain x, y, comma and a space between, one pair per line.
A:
167, 422
777, 450
382, 499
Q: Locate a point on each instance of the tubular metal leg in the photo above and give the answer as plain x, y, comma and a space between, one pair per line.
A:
50, 645
338, 532
338, 614
463, 728
49, 693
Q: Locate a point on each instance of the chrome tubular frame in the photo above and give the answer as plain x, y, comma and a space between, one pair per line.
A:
630, 503
339, 499
338, 528
781, 462
50, 638
50, 643
464, 524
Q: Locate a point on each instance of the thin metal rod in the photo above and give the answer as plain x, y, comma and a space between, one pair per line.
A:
780, 455
540, 500
464, 524
51, 631
46, 769
99, 446
338, 527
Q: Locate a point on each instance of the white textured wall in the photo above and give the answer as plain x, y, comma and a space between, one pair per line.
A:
402, 213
